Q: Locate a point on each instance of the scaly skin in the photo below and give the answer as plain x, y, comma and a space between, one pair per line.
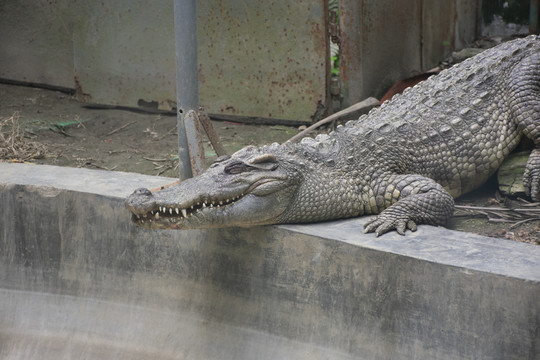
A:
404, 161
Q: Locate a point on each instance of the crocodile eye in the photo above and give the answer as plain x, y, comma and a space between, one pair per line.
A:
220, 159
235, 167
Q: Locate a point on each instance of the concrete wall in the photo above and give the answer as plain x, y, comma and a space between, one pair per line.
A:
77, 279
124, 52
36, 42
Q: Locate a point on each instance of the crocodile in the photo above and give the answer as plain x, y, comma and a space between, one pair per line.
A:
403, 162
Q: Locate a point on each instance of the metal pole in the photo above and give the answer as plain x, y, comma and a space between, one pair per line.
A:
187, 89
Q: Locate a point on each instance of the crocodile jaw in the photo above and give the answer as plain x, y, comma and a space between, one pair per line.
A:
189, 205
239, 212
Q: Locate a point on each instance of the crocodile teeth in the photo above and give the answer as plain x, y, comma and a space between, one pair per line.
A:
203, 205
170, 211
178, 211
157, 215
184, 212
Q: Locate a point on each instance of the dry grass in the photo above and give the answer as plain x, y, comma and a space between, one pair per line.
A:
514, 213
14, 146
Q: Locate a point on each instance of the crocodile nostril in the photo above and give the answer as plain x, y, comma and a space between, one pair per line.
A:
143, 192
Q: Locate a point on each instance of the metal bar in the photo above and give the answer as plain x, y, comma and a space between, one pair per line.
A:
211, 132
194, 141
187, 89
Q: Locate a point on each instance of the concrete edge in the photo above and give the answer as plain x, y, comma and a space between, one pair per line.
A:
101, 182
428, 243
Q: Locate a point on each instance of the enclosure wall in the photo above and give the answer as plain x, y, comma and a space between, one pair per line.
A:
77, 278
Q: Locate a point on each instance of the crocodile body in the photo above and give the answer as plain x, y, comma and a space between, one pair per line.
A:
404, 161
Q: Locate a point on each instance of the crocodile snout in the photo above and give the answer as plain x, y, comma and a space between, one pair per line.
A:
139, 200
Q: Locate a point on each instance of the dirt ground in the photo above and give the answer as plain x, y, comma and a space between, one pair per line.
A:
58, 130
112, 139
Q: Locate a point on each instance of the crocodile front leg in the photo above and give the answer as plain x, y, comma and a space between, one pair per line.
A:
409, 200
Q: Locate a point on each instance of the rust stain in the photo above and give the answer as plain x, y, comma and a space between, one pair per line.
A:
210, 132
253, 65
79, 92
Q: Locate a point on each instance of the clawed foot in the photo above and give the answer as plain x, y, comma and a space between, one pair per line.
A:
384, 223
531, 177
430, 203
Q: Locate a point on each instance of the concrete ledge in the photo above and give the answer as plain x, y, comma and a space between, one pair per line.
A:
76, 277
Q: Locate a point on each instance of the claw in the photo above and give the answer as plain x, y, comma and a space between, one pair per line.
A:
411, 225
401, 227
381, 225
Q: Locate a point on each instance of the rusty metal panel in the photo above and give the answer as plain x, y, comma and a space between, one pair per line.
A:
257, 59
380, 44
36, 42
447, 26
438, 31
124, 52
265, 59
467, 22
384, 41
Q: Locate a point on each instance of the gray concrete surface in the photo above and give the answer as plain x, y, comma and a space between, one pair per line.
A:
78, 280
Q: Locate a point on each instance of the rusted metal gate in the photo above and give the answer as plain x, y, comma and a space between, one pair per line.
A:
383, 41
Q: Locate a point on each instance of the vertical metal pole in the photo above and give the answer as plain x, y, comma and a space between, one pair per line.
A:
187, 89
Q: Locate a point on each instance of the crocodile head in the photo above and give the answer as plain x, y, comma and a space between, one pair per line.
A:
251, 187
